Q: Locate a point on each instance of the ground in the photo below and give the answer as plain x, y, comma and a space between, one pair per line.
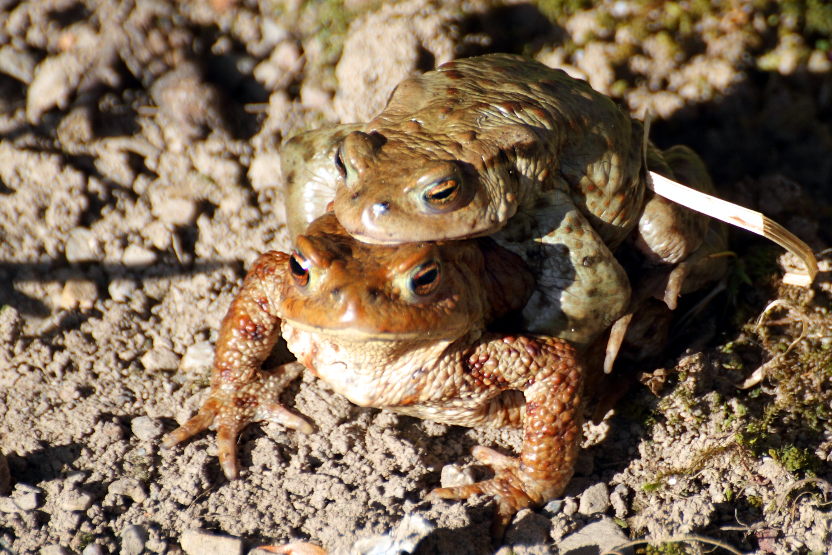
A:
140, 176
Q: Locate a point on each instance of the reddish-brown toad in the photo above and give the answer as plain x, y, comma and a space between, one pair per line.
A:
402, 328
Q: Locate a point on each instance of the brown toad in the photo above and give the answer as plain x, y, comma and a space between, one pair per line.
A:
503, 145
402, 328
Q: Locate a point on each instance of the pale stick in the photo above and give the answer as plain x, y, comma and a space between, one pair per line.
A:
740, 217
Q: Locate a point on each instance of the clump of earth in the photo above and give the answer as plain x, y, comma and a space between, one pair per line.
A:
140, 176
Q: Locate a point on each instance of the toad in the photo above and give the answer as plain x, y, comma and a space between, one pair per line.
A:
404, 328
503, 145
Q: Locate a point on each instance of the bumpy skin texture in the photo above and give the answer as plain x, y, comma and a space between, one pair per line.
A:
410, 336
502, 144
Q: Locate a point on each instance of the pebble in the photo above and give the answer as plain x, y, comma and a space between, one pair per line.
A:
78, 293
160, 358
54, 550
93, 549
553, 507
134, 255
121, 290
528, 528
17, 63
133, 538
618, 500
197, 542
198, 357
81, 245
595, 499
74, 500
146, 428
452, 475
411, 530
604, 535
27, 497
175, 211
129, 487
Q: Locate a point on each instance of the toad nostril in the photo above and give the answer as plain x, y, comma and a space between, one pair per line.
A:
380, 208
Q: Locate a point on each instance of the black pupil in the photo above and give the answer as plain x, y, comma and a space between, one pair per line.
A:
296, 267
443, 190
425, 277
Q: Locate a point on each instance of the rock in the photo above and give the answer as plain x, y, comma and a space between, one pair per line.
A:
160, 358
594, 499
452, 476
74, 500
121, 290
146, 428
197, 542
54, 549
134, 255
528, 528
93, 549
385, 46
10, 325
553, 507
26, 497
174, 211
601, 536
81, 245
129, 487
78, 293
618, 499
133, 538
404, 539
198, 357
18, 64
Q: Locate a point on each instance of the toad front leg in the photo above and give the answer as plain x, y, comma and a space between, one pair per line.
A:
546, 370
241, 391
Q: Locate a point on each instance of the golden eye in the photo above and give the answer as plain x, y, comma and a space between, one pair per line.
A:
443, 192
425, 279
299, 266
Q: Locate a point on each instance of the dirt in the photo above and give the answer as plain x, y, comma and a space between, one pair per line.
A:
140, 176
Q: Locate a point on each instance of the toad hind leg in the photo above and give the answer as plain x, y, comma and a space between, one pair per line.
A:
241, 391
547, 372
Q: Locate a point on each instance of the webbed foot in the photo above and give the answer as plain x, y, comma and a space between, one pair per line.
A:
230, 410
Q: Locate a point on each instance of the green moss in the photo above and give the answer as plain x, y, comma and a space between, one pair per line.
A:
795, 459
650, 487
819, 17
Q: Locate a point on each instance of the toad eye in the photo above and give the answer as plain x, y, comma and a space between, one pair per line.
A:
299, 266
424, 279
442, 194
339, 161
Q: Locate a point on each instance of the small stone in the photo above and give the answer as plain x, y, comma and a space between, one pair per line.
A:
54, 549
553, 507
81, 246
10, 325
121, 290
198, 542
160, 358
74, 500
453, 476
528, 528
604, 535
198, 357
19, 64
27, 497
175, 211
595, 499
133, 538
618, 500
93, 549
146, 428
128, 487
134, 255
570, 506
78, 293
